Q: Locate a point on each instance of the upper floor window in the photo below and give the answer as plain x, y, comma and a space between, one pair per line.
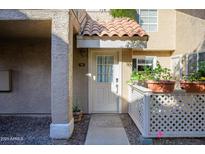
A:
148, 19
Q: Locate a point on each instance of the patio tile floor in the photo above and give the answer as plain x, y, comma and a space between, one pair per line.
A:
106, 129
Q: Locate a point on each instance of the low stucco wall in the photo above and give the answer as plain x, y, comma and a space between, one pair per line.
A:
30, 62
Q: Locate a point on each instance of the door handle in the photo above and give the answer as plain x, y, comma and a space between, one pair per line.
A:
117, 88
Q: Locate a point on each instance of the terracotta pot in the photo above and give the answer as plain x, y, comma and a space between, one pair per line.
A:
193, 87
162, 86
77, 116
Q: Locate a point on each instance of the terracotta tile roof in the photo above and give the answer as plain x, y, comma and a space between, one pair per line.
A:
117, 27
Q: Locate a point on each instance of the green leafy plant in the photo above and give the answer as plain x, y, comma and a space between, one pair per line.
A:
141, 76
157, 74
160, 73
119, 13
198, 75
76, 108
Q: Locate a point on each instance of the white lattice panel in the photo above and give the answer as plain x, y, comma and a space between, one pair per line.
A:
177, 114
136, 109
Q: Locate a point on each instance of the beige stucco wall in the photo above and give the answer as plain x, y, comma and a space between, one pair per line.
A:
30, 63
190, 31
80, 89
126, 73
99, 15
164, 38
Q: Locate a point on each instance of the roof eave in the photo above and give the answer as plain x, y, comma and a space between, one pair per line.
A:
112, 42
95, 37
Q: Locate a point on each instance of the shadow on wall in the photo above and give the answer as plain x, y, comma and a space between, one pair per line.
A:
193, 20
201, 45
198, 13
18, 94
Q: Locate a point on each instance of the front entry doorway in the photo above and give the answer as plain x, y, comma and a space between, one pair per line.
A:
104, 82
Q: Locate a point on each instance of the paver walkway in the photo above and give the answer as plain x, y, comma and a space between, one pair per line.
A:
106, 129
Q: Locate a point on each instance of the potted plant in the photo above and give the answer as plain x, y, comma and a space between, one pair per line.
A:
77, 113
159, 80
195, 82
138, 78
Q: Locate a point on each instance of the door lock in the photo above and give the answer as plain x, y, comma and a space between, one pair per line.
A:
117, 88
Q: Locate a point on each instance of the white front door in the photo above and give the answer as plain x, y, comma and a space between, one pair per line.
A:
104, 82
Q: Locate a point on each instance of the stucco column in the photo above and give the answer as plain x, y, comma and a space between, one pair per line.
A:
127, 71
61, 108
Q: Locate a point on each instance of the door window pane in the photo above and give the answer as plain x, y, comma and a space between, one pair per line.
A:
105, 68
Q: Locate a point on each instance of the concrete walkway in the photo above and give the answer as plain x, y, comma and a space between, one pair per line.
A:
106, 129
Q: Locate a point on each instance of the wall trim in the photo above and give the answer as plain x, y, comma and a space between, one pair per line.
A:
110, 43
62, 131
89, 80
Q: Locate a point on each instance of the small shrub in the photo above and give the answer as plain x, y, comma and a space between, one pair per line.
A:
198, 75
119, 13
157, 74
76, 108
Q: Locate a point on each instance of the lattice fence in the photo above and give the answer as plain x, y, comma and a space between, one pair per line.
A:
136, 109
177, 114
168, 115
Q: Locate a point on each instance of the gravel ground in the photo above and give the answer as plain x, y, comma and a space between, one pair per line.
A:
131, 130
133, 135
35, 130
79, 133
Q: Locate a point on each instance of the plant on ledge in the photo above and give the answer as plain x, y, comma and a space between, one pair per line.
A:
119, 13
139, 77
195, 82
157, 79
77, 113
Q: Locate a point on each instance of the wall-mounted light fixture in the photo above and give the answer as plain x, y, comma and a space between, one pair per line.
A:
83, 52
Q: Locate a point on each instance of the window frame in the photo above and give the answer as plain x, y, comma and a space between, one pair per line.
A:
187, 61
157, 16
154, 63
179, 57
